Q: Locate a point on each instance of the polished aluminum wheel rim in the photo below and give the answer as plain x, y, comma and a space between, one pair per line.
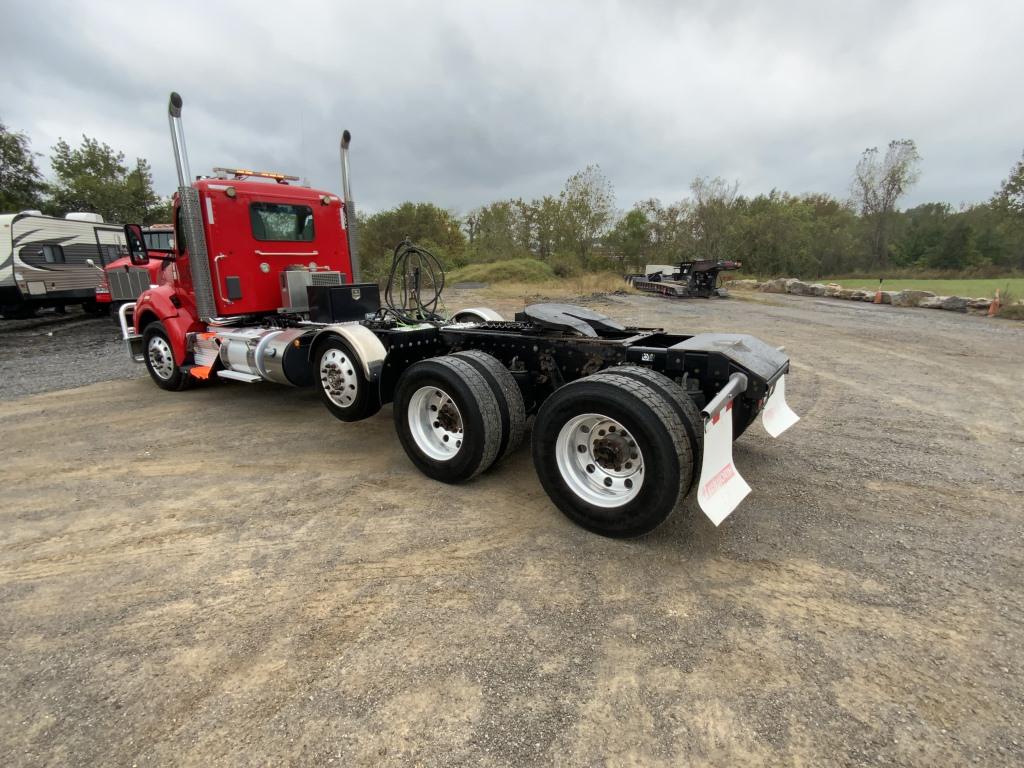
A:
599, 460
435, 423
338, 377
161, 359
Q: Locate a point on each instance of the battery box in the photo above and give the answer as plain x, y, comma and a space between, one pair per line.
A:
342, 303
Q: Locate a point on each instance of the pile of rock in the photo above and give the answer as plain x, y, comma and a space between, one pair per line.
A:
908, 298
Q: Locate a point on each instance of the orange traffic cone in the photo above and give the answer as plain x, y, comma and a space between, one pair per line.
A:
993, 308
878, 296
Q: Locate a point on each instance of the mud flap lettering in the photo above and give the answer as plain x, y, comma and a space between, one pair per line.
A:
721, 487
777, 416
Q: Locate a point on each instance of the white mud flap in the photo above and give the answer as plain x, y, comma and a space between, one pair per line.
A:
777, 416
721, 486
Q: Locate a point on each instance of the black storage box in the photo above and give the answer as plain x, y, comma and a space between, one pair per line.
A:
342, 303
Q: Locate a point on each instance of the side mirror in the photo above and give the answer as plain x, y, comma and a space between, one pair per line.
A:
137, 251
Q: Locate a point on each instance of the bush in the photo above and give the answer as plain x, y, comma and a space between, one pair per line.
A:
566, 264
1012, 311
509, 271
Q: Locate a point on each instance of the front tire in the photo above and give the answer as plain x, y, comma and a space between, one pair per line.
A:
612, 454
341, 383
160, 359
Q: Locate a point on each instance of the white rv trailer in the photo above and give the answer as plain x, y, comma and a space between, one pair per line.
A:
43, 259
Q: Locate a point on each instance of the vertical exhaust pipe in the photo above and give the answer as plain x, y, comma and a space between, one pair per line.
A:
351, 222
192, 233
178, 139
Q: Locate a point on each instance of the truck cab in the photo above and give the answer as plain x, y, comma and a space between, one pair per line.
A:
255, 228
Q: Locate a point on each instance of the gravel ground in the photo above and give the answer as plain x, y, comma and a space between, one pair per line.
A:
51, 352
228, 576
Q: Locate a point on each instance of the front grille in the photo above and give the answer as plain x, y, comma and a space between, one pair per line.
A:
127, 285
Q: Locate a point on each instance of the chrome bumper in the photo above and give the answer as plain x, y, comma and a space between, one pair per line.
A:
132, 340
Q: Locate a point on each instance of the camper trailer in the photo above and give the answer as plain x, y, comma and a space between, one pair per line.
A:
44, 260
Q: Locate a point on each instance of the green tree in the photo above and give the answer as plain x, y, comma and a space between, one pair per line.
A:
93, 177
631, 238
587, 204
878, 184
670, 230
713, 216
424, 223
21, 184
1010, 197
957, 249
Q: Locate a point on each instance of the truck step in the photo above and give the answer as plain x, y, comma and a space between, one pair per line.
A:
248, 378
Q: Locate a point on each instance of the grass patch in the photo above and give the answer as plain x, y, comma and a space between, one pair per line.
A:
1012, 312
510, 271
977, 288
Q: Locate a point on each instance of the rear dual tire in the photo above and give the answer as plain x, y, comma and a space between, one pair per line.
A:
613, 454
447, 419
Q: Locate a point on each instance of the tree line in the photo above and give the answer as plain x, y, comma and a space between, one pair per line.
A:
89, 177
777, 233
580, 228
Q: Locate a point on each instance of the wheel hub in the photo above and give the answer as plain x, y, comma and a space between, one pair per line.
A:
161, 359
338, 376
599, 460
435, 423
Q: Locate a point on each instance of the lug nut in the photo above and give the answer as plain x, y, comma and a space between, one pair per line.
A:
608, 482
581, 448
590, 468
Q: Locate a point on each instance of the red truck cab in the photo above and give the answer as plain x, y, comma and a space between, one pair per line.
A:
254, 231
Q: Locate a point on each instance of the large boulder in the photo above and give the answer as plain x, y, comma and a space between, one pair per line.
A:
797, 288
951, 303
887, 296
955, 303
778, 285
745, 284
982, 304
832, 290
910, 298
847, 293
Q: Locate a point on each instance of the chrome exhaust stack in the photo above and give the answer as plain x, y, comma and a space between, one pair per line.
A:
351, 223
191, 215
178, 139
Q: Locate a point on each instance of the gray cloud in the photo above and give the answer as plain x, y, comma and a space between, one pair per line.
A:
463, 103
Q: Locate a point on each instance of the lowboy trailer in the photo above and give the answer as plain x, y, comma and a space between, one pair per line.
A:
628, 420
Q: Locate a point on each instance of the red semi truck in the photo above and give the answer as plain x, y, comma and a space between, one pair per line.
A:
262, 285
123, 280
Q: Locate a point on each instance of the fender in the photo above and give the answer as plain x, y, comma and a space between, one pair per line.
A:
155, 304
363, 341
476, 315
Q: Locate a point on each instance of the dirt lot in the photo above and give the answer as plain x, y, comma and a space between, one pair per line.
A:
228, 576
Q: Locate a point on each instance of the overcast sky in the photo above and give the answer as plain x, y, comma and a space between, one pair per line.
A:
460, 103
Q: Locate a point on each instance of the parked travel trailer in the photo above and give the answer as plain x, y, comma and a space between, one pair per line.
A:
44, 260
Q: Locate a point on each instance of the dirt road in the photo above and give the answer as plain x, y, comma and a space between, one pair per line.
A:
228, 576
